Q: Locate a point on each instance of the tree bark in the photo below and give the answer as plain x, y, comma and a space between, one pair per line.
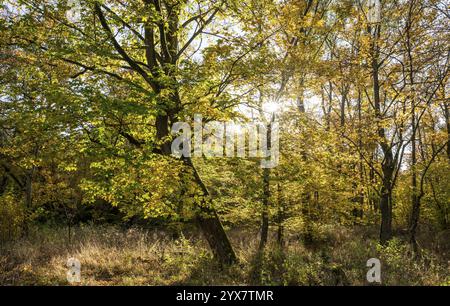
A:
388, 163
415, 197
266, 198
210, 224
386, 211
447, 121
280, 217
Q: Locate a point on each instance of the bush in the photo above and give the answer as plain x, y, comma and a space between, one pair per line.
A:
402, 267
11, 217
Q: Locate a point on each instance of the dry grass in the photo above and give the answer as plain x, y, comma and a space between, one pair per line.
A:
109, 256
113, 256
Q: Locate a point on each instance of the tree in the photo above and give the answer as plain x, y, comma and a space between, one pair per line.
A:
146, 46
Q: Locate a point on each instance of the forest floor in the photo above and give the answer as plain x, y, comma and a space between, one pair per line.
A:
111, 255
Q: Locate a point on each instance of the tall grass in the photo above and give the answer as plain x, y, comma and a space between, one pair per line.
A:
114, 256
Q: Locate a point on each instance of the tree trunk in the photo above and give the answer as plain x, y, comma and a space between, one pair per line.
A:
266, 198
361, 162
265, 213
386, 213
415, 197
414, 221
447, 121
342, 106
210, 224
280, 217
388, 163
207, 218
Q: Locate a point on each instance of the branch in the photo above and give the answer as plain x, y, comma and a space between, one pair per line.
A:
11, 175
425, 170
95, 69
117, 17
188, 43
119, 48
362, 155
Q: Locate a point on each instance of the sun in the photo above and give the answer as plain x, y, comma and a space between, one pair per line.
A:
271, 107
